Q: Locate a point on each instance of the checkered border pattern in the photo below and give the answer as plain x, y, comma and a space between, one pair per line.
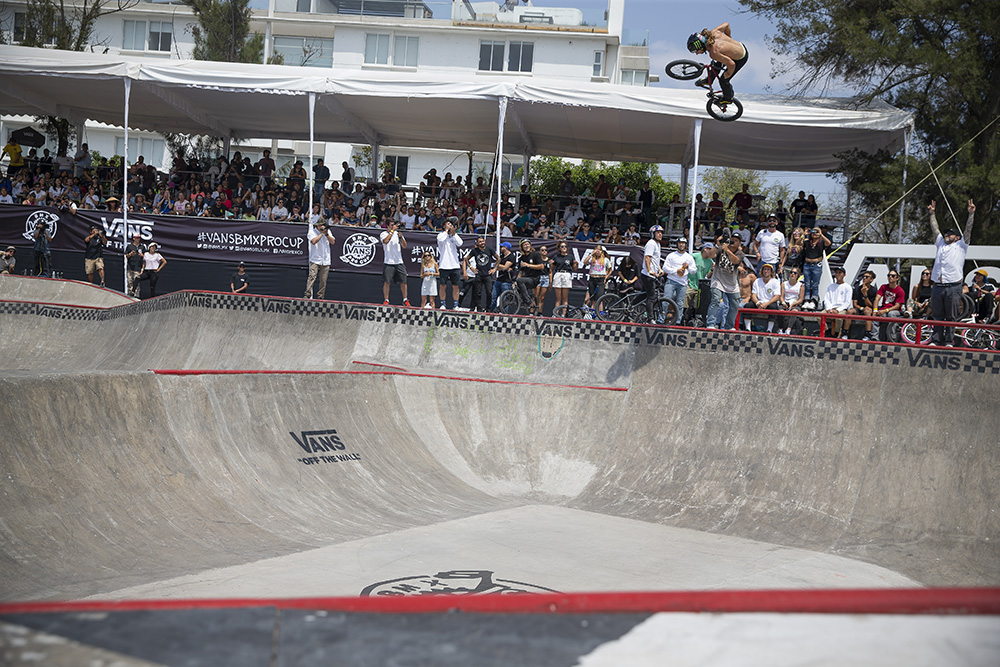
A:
605, 332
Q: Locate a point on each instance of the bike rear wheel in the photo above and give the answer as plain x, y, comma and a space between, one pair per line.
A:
724, 111
568, 312
909, 333
685, 70
665, 311
508, 303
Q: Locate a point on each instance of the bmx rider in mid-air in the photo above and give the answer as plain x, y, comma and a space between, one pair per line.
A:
721, 47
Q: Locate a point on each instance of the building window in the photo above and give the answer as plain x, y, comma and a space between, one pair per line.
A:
520, 56
304, 51
20, 19
634, 77
598, 63
135, 36
491, 56
303, 6
151, 149
160, 34
399, 166
405, 51
376, 49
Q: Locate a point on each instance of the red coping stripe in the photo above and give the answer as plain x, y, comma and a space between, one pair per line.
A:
160, 371
372, 363
926, 601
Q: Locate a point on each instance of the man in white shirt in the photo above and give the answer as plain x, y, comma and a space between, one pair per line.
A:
394, 271
771, 246
651, 266
320, 240
449, 263
947, 274
408, 219
839, 299
572, 215
766, 292
676, 266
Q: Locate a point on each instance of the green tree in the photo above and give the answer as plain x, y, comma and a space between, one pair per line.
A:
223, 32
727, 181
547, 176
70, 27
937, 59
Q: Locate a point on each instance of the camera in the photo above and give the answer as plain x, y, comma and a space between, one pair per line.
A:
41, 224
724, 234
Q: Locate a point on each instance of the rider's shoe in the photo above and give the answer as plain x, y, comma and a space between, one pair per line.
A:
704, 83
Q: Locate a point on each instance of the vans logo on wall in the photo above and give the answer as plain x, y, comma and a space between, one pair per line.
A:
325, 440
946, 360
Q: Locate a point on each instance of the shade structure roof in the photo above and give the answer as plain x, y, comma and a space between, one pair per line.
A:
459, 111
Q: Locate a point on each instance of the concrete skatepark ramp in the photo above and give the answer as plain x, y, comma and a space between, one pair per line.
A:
412, 451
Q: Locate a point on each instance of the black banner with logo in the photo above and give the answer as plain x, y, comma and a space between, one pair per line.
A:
357, 249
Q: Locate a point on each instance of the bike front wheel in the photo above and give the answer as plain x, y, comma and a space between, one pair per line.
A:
508, 303
724, 111
568, 312
909, 333
612, 308
685, 70
665, 311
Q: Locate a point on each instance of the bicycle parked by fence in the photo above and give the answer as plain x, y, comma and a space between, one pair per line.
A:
631, 306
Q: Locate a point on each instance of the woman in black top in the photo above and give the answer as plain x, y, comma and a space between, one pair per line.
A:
627, 275
562, 265
812, 261
920, 296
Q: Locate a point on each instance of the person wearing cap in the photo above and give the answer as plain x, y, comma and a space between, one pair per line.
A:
651, 268
982, 290
703, 262
320, 240
240, 281
866, 296
813, 253
133, 265
766, 292
450, 264
505, 272
321, 174
7, 261
725, 284
394, 270
678, 266
771, 246
93, 255
153, 262
890, 298
529, 267
838, 299
947, 274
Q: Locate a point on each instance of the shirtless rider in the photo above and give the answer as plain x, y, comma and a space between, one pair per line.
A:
721, 47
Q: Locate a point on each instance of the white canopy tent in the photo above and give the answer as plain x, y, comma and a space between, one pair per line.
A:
460, 111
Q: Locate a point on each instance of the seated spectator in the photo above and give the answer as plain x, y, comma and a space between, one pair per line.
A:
542, 228
561, 231
572, 215
982, 291
782, 214
296, 215
614, 236
5, 197
793, 293
891, 297
631, 236
864, 299
809, 212
920, 296
766, 292
838, 300
279, 213
746, 278
627, 215
715, 211
585, 234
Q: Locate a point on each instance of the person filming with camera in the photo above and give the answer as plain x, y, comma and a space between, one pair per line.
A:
43, 251
321, 240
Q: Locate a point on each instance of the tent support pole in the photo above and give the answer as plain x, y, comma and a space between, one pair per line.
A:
128, 93
312, 133
694, 182
847, 216
907, 133
501, 121
375, 161
525, 166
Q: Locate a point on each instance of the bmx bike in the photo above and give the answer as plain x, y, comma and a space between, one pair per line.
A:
632, 306
717, 107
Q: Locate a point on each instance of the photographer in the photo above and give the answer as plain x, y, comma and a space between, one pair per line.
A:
394, 271
725, 280
94, 254
320, 240
43, 252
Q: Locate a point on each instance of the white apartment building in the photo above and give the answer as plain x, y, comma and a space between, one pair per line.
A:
431, 39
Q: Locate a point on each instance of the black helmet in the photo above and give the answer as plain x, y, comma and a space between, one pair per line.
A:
696, 42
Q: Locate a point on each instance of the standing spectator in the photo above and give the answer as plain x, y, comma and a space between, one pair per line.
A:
448, 244
567, 189
321, 174
7, 261
797, 207
646, 198
240, 282
838, 299
43, 252
809, 212
265, 167
485, 260
725, 282
544, 280
813, 253
771, 246
429, 273
320, 241
703, 262
133, 265
81, 160
793, 258
153, 262
743, 200
865, 296
792, 295
563, 266
651, 269
394, 270
529, 270
94, 253
949, 267
13, 151
347, 178
716, 211
677, 267
782, 214
505, 272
